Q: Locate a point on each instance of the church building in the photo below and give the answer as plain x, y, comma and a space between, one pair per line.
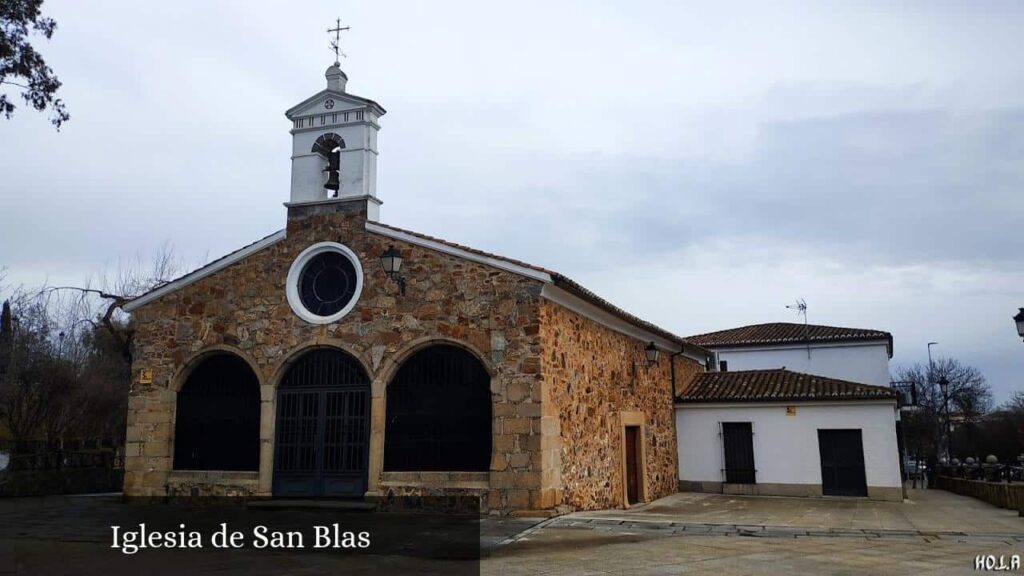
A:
343, 357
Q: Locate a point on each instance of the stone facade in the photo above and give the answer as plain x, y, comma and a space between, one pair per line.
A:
560, 383
595, 379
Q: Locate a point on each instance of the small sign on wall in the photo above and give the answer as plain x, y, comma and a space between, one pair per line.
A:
146, 376
790, 410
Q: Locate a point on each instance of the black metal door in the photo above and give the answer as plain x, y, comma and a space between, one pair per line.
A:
842, 463
323, 428
738, 443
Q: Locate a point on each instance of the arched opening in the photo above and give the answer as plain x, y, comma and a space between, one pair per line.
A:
322, 436
329, 146
217, 423
439, 413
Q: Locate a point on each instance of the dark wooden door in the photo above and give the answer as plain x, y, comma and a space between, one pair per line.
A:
842, 463
738, 444
323, 428
632, 465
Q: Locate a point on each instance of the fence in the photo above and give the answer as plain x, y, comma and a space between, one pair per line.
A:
80, 466
997, 484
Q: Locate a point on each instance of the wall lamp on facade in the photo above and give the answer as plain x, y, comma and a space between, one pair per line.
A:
1019, 319
651, 351
650, 358
391, 260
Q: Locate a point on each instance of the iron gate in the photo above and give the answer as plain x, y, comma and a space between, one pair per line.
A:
323, 427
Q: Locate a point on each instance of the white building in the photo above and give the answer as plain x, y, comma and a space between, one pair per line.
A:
792, 413
854, 354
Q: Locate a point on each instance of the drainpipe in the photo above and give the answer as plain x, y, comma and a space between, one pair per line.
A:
672, 366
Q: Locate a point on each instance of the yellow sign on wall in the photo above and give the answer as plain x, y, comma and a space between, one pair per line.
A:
790, 410
146, 376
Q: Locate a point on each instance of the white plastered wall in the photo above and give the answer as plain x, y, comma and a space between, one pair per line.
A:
786, 447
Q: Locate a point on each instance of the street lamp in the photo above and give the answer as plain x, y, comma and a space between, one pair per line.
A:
944, 388
1019, 319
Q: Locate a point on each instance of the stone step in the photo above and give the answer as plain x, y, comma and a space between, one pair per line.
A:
294, 504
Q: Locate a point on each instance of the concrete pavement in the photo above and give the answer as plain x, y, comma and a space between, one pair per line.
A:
924, 511
934, 532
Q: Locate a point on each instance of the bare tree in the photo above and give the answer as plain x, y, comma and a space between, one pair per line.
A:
106, 300
969, 399
1001, 431
65, 354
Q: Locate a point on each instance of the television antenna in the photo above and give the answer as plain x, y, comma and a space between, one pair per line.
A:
801, 310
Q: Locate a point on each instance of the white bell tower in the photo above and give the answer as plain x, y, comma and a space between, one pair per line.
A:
334, 147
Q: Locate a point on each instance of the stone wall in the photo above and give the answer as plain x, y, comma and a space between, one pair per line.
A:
1002, 494
243, 309
595, 379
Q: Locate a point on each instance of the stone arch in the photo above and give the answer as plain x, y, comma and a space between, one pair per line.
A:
326, 144
182, 373
298, 351
217, 411
389, 367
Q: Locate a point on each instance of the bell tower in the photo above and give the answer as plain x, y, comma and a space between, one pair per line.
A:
334, 147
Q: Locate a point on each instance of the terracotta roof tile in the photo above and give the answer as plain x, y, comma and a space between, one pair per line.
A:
786, 333
777, 385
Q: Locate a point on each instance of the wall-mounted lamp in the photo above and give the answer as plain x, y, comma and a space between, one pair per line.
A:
651, 351
391, 261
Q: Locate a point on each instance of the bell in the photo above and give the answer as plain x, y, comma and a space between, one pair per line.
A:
334, 161
332, 180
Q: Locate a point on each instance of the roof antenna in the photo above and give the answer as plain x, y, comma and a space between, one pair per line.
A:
801, 310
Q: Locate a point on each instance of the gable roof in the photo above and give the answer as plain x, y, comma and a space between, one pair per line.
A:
787, 333
545, 275
777, 385
203, 271
511, 265
344, 96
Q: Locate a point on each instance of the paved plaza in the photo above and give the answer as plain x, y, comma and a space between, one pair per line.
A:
933, 532
923, 511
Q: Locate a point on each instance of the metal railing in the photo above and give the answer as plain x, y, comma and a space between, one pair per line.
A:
983, 472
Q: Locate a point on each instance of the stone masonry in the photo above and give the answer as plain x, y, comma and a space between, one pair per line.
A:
559, 381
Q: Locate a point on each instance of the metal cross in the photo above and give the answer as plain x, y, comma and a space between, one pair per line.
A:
337, 30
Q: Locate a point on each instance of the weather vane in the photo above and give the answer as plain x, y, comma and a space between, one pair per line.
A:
337, 30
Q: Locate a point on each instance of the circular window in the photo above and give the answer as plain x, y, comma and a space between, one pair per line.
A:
324, 282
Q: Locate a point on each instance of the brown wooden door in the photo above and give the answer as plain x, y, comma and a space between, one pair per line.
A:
632, 468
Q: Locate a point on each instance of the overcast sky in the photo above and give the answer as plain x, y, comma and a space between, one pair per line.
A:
699, 164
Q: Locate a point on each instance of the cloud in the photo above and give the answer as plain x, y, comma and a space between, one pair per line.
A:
700, 164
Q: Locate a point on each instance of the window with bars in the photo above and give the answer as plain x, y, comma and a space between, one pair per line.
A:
217, 421
439, 413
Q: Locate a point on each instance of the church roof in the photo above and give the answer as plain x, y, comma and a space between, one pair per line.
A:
560, 280
787, 333
516, 266
203, 271
777, 385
